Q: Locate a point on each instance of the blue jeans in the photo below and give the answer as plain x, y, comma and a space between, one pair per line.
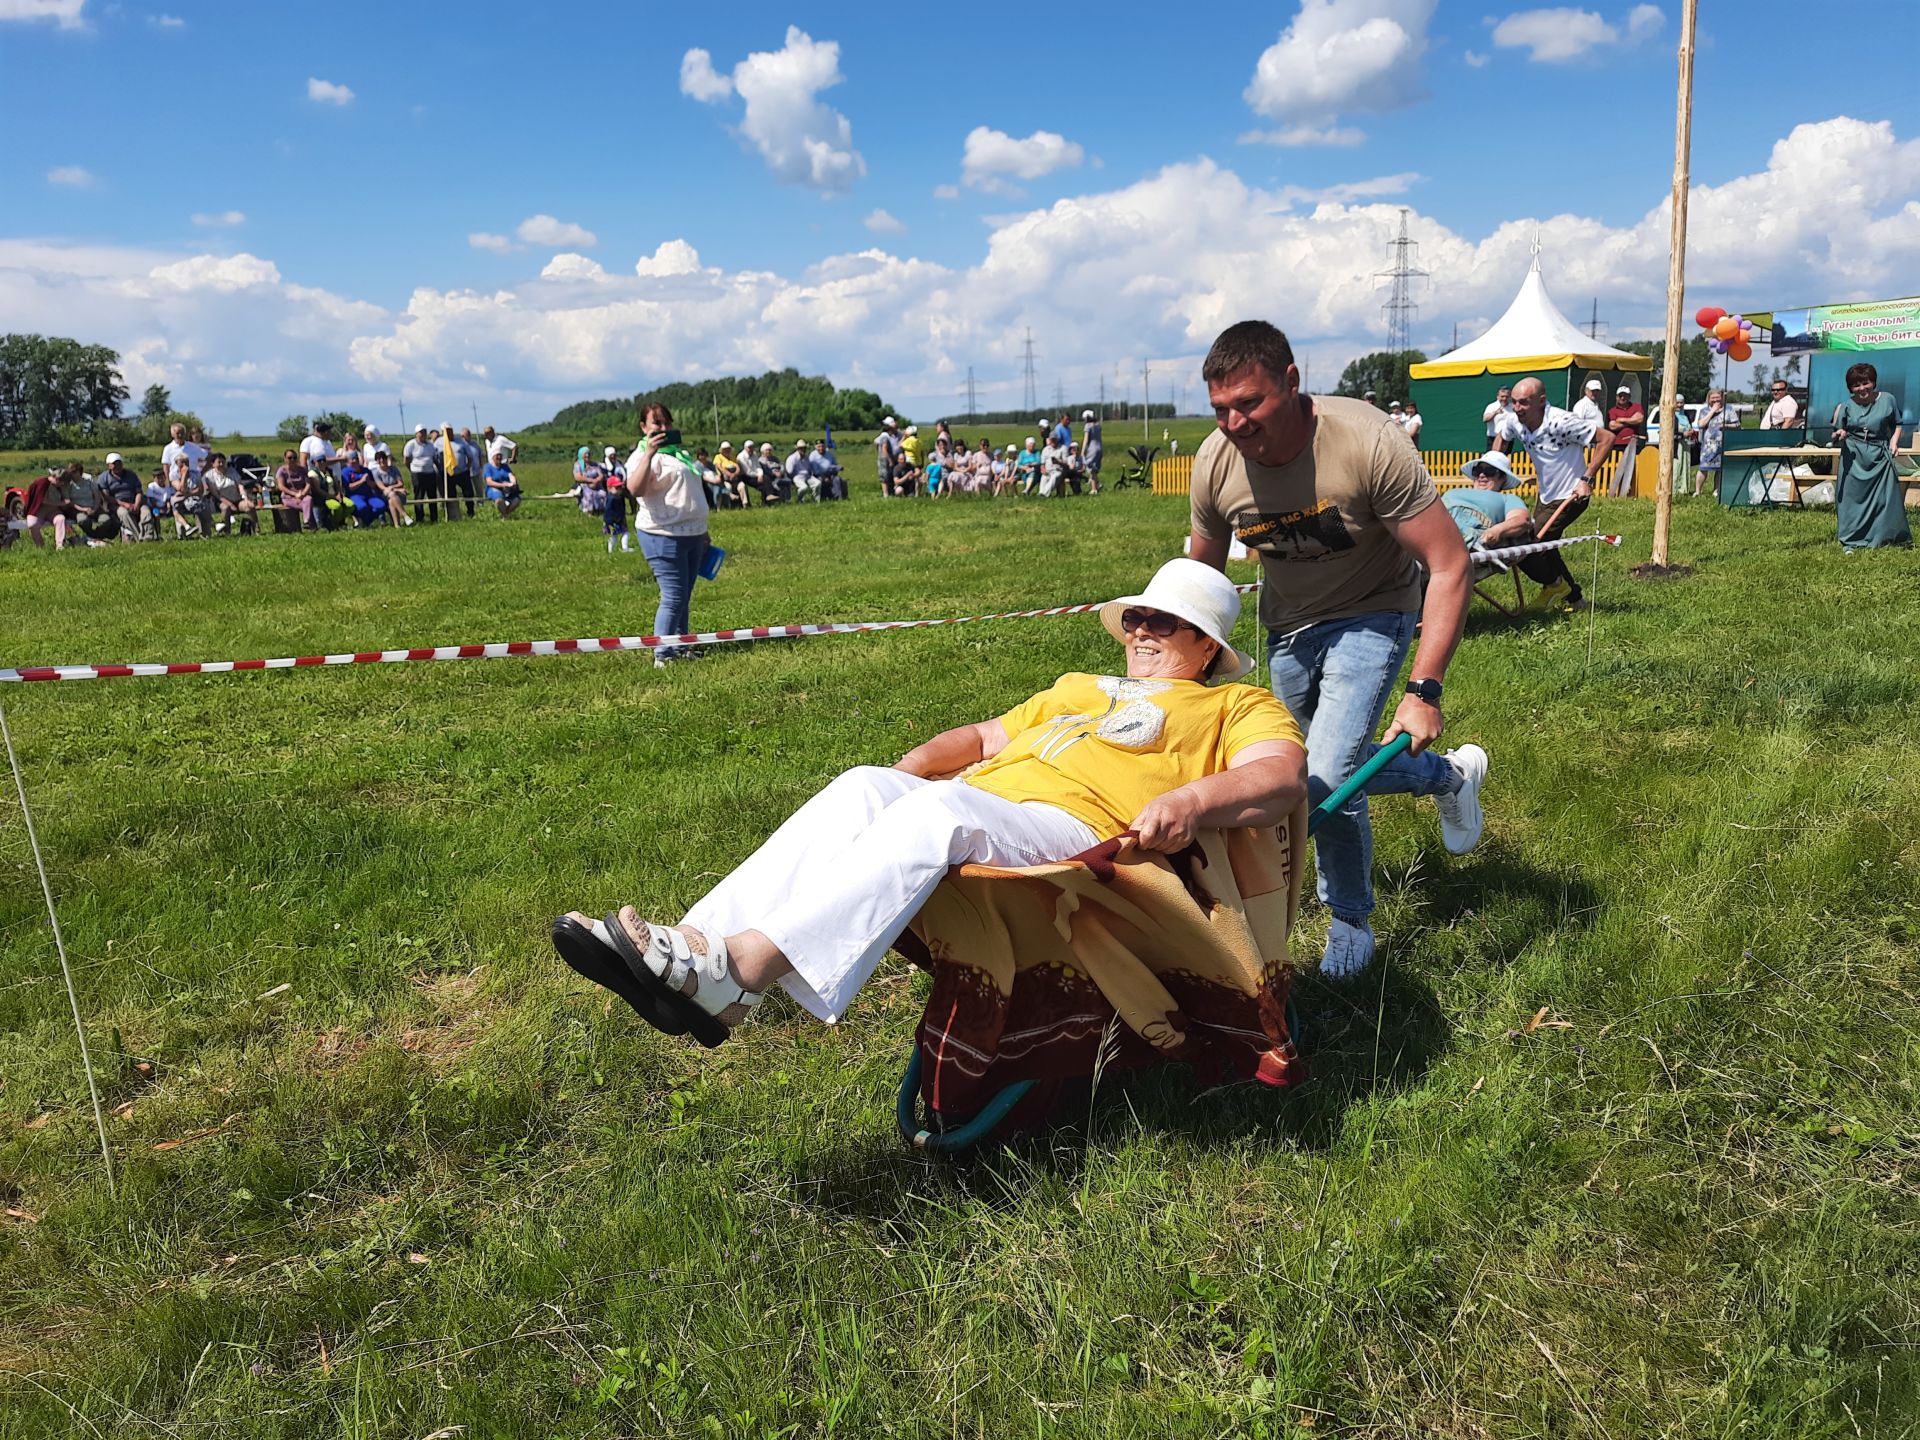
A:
675, 561
1336, 678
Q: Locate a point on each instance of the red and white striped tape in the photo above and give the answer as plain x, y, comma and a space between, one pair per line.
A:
502, 649
1539, 547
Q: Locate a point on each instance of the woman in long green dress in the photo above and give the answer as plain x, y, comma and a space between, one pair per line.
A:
1866, 427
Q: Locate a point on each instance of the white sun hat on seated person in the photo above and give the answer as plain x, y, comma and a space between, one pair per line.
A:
1198, 594
1498, 462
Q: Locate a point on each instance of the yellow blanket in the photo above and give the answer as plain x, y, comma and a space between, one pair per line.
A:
1115, 959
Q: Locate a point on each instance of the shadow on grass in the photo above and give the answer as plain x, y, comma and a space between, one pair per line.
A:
1379, 1033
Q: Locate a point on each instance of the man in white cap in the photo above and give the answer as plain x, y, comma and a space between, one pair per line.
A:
886, 453
1342, 516
130, 505
1092, 450
1587, 407
1628, 422
422, 459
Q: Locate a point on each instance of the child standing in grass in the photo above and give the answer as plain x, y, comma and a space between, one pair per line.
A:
613, 515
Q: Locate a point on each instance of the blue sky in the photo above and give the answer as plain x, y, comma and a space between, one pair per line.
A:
287, 207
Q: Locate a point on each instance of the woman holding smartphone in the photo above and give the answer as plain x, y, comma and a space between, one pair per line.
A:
670, 516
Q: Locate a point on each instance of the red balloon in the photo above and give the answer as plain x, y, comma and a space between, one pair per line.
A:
1706, 315
1739, 350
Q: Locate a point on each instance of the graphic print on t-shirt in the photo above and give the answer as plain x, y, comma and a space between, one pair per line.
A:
1130, 719
1295, 534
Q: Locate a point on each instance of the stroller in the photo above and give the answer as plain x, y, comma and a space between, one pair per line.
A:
1141, 471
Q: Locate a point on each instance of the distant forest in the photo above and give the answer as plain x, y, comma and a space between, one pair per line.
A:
779, 401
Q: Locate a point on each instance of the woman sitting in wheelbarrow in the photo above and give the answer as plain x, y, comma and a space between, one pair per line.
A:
815, 908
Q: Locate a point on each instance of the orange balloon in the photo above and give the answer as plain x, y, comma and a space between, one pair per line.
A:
1726, 327
1740, 350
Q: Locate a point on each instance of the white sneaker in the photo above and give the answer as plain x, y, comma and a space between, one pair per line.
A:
1349, 949
1461, 818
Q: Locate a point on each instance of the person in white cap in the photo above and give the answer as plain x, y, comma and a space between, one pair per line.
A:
1092, 450
1627, 419
130, 505
1587, 407
1342, 516
422, 459
886, 453
1168, 749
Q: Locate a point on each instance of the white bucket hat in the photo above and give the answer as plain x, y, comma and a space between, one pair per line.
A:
1198, 594
1499, 462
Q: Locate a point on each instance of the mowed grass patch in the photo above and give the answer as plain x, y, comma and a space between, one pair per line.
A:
436, 1181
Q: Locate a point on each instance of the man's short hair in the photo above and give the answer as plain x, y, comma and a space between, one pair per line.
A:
1250, 342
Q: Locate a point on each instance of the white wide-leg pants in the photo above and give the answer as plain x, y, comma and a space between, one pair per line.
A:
835, 886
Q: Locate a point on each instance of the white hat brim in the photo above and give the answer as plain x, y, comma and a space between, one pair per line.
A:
1241, 663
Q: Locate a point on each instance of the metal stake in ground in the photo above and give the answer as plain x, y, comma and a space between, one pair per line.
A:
60, 945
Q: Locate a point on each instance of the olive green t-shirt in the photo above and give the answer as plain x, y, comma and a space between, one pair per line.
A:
1316, 522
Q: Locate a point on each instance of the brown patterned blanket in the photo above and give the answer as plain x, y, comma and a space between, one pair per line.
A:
1115, 959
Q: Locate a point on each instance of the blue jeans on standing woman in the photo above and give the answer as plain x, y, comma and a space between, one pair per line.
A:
1336, 677
675, 561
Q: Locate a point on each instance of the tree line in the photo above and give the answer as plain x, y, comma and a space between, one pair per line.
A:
769, 404
60, 393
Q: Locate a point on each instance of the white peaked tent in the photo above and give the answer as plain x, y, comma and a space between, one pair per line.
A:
1532, 335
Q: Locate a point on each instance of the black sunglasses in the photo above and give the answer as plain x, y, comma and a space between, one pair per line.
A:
1154, 622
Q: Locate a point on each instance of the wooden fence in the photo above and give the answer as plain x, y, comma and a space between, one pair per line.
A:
1173, 474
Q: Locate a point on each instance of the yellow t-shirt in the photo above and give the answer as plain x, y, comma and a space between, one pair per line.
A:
1100, 747
910, 447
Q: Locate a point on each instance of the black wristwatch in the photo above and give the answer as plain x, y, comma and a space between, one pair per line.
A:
1427, 690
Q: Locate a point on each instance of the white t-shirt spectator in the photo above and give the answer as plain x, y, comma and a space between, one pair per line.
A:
319, 453
1587, 408
1492, 415
194, 455
422, 456
676, 503
1558, 449
502, 451
1781, 414
1411, 424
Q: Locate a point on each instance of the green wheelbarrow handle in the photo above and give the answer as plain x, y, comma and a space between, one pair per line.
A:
1382, 758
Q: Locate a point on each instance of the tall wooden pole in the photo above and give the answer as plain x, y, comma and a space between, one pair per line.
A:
1676, 287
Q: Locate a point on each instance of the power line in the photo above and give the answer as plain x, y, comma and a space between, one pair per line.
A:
1031, 394
1595, 325
1146, 398
1400, 311
1059, 394
973, 404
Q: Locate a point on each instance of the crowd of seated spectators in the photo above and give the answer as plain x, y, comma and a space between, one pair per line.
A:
197, 493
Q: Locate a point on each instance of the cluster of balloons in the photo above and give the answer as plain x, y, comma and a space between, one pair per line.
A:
1730, 335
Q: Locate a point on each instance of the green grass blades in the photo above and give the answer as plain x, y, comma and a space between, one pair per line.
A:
1618, 1138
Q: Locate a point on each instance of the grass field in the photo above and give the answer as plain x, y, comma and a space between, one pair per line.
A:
387, 1169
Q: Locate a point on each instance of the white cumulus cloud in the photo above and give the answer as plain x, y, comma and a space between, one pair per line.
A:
671, 257
571, 267
64, 13
1562, 33
1146, 271
883, 223
166, 22
540, 231
327, 93
802, 141
545, 230
219, 217
992, 157
1339, 57
74, 177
